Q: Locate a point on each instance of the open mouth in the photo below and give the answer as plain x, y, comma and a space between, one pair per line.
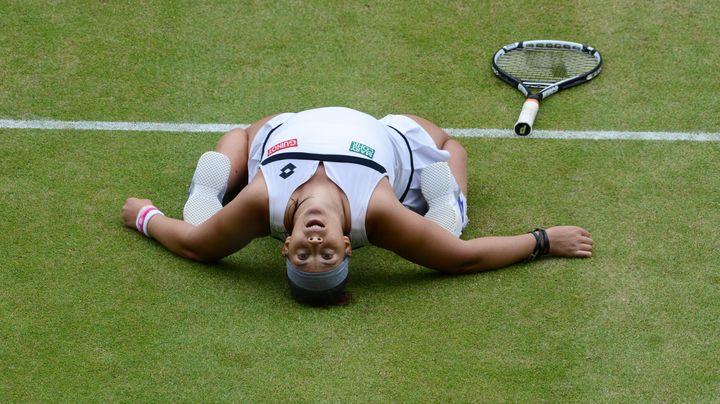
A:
315, 223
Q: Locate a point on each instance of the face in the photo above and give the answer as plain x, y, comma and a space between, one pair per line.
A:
316, 243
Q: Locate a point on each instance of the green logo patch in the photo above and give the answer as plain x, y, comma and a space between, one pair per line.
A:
362, 149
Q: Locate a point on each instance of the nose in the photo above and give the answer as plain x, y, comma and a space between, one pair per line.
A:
314, 239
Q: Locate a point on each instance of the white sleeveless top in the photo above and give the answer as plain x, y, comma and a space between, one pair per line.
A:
356, 149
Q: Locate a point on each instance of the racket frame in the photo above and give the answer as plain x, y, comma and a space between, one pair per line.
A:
524, 125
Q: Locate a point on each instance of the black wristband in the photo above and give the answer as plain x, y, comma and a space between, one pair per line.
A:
538, 246
542, 244
546, 245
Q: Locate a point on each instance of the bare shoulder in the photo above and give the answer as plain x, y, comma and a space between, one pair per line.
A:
250, 206
392, 226
256, 192
235, 225
383, 206
388, 223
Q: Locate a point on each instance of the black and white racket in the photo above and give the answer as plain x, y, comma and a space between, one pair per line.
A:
545, 65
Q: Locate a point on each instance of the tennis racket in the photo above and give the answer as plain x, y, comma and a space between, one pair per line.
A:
546, 66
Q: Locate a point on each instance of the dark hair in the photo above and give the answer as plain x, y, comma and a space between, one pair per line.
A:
336, 296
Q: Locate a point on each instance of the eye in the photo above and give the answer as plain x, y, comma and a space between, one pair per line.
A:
327, 255
303, 256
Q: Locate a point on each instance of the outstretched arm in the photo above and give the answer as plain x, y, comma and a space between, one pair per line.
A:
226, 232
396, 228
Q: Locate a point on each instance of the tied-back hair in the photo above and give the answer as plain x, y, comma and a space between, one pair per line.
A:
336, 296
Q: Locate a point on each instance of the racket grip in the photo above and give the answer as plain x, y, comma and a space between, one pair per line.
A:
524, 124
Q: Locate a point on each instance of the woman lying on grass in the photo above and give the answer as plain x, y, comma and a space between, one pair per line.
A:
328, 180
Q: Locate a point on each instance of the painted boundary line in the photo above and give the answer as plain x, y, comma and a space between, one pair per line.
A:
589, 135
456, 132
117, 126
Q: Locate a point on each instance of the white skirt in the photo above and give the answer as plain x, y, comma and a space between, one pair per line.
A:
423, 152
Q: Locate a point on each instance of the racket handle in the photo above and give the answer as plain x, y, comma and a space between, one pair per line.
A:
524, 124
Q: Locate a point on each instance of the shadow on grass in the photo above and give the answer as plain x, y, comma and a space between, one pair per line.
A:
373, 271
267, 272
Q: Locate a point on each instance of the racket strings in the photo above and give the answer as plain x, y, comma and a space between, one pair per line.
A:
546, 66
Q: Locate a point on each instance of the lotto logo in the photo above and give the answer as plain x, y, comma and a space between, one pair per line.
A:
287, 171
282, 145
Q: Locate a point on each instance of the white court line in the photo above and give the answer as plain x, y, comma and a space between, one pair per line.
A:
456, 132
592, 135
117, 126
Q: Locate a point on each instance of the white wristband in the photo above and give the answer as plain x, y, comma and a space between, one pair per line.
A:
147, 219
143, 217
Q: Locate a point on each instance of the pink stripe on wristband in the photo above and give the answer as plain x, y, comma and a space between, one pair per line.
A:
149, 215
140, 220
143, 218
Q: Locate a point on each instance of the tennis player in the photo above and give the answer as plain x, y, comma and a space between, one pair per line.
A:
327, 180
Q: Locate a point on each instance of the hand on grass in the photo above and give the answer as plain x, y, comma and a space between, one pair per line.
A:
570, 241
131, 208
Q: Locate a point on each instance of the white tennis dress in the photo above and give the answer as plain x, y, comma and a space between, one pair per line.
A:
357, 151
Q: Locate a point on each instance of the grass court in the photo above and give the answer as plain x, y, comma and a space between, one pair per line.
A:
91, 311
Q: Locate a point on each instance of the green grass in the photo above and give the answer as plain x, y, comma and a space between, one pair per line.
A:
92, 311
237, 61
95, 311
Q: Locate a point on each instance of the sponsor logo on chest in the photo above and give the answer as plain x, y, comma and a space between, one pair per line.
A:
282, 145
356, 147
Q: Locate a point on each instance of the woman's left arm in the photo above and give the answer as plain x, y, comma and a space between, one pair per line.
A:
394, 227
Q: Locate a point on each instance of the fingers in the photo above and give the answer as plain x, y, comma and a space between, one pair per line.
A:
585, 245
130, 210
570, 241
127, 214
583, 254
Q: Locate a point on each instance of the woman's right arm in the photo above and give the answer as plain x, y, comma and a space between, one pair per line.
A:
229, 230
